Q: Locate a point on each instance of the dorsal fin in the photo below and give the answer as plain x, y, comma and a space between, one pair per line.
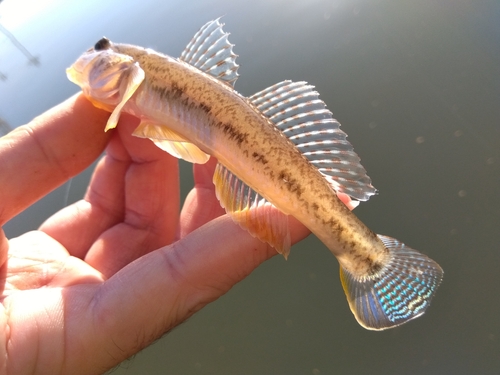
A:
211, 52
295, 108
251, 211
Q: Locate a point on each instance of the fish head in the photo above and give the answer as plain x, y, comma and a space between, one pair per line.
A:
102, 74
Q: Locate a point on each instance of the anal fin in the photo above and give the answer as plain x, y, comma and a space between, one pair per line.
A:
251, 211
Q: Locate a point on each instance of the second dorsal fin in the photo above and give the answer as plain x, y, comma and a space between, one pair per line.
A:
295, 108
211, 52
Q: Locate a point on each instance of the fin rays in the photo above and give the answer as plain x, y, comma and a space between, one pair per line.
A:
251, 211
295, 109
211, 52
401, 291
134, 79
171, 142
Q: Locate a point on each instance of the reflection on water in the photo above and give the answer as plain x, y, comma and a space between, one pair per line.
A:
34, 60
4, 127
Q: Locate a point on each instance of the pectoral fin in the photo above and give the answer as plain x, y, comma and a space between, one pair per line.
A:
133, 81
171, 142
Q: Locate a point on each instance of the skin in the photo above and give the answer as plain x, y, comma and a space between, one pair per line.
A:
105, 277
222, 124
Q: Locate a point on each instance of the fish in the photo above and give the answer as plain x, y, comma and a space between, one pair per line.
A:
280, 153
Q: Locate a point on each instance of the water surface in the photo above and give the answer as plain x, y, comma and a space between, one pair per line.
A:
416, 85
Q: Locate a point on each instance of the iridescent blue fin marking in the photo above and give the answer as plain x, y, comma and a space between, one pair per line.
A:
211, 52
251, 211
399, 292
295, 108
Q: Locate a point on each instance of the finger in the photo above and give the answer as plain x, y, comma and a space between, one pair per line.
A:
151, 204
78, 226
130, 208
201, 204
4, 247
40, 156
350, 203
162, 289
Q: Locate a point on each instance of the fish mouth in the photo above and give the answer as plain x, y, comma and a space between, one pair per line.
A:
76, 72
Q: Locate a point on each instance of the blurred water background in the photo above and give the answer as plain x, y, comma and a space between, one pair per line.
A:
415, 84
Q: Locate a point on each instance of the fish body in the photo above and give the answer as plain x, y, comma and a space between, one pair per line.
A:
279, 153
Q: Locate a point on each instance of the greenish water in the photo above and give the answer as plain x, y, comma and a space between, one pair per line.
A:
416, 85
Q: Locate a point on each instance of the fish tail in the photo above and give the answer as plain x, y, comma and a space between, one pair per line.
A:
400, 291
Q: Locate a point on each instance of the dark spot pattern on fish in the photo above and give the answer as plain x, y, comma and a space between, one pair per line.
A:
260, 158
162, 91
176, 90
205, 107
291, 183
232, 132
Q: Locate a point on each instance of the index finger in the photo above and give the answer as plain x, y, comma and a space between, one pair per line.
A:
42, 155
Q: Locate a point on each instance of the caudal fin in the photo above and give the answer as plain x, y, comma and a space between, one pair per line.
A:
399, 292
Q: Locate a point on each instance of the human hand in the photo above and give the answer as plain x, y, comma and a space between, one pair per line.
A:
108, 275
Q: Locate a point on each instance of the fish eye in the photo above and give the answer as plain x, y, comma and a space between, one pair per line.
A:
102, 44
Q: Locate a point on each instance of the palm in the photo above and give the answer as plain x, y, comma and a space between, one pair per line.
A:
106, 276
